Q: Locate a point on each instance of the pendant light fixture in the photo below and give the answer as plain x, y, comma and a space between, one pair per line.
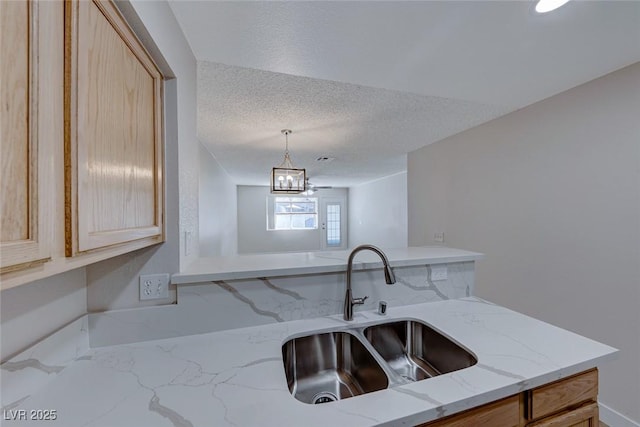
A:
544, 6
285, 178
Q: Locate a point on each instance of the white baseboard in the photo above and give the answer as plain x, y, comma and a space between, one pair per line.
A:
615, 419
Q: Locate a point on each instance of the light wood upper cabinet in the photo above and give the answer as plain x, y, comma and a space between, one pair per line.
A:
27, 135
113, 132
81, 126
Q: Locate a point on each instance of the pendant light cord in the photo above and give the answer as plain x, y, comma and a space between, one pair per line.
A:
286, 138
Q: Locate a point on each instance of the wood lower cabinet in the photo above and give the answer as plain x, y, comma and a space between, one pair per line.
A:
583, 416
565, 403
570, 402
113, 133
503, 413
28, 133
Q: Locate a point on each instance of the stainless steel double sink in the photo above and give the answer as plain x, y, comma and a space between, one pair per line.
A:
334, 365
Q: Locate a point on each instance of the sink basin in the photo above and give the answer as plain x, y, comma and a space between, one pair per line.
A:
415, 351
330, 366
335, 365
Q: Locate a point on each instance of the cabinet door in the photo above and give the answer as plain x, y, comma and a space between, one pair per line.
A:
113, 132
27, 136
569, 392
503, 413
584, 416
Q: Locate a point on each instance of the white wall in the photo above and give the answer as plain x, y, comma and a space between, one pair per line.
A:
218, 208
30, 312
253, 236
378, 212
163, 28
551, 195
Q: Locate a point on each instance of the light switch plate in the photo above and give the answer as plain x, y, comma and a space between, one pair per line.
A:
439, 272
154, 286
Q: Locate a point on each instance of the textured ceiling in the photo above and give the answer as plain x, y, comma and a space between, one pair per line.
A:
410, 73
367, 130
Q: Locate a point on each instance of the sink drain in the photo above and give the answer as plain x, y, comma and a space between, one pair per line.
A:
324, 397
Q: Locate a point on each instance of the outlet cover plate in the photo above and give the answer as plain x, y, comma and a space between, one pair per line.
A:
439, 272
154, 286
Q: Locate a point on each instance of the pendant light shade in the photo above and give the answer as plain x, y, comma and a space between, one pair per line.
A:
285, 178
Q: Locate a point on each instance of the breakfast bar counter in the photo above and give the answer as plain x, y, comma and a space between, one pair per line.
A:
236, 377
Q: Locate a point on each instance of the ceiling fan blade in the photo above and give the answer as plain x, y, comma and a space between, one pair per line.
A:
313, 187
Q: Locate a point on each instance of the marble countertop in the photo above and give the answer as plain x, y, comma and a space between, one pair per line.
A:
296, 263
236, 377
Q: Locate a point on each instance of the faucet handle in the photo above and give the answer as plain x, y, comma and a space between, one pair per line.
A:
359, 301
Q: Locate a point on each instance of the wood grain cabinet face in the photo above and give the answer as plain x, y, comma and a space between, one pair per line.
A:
584, 416
27, 136
113, 132
570, 402
503, 413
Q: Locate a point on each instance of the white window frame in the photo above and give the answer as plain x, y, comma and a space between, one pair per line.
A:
272, 215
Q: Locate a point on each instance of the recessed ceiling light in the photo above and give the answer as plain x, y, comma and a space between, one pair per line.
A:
545, 6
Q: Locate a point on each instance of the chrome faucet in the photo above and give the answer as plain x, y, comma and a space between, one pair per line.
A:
389, 277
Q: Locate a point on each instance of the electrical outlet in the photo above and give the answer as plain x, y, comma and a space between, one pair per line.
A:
439, 237
439, 272
154, 286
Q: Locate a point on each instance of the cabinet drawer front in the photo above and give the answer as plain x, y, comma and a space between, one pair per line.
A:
503, 413
562, 394
585, 416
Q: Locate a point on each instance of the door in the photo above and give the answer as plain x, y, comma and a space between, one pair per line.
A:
333, 223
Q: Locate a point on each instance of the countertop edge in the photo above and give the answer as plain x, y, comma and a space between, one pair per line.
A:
307, 263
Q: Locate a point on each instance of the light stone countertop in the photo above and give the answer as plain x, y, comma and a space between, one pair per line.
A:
236, 377
295, 263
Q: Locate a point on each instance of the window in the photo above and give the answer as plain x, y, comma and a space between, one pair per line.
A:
294, 213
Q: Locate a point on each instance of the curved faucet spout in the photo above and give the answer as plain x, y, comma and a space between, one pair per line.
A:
389, 278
